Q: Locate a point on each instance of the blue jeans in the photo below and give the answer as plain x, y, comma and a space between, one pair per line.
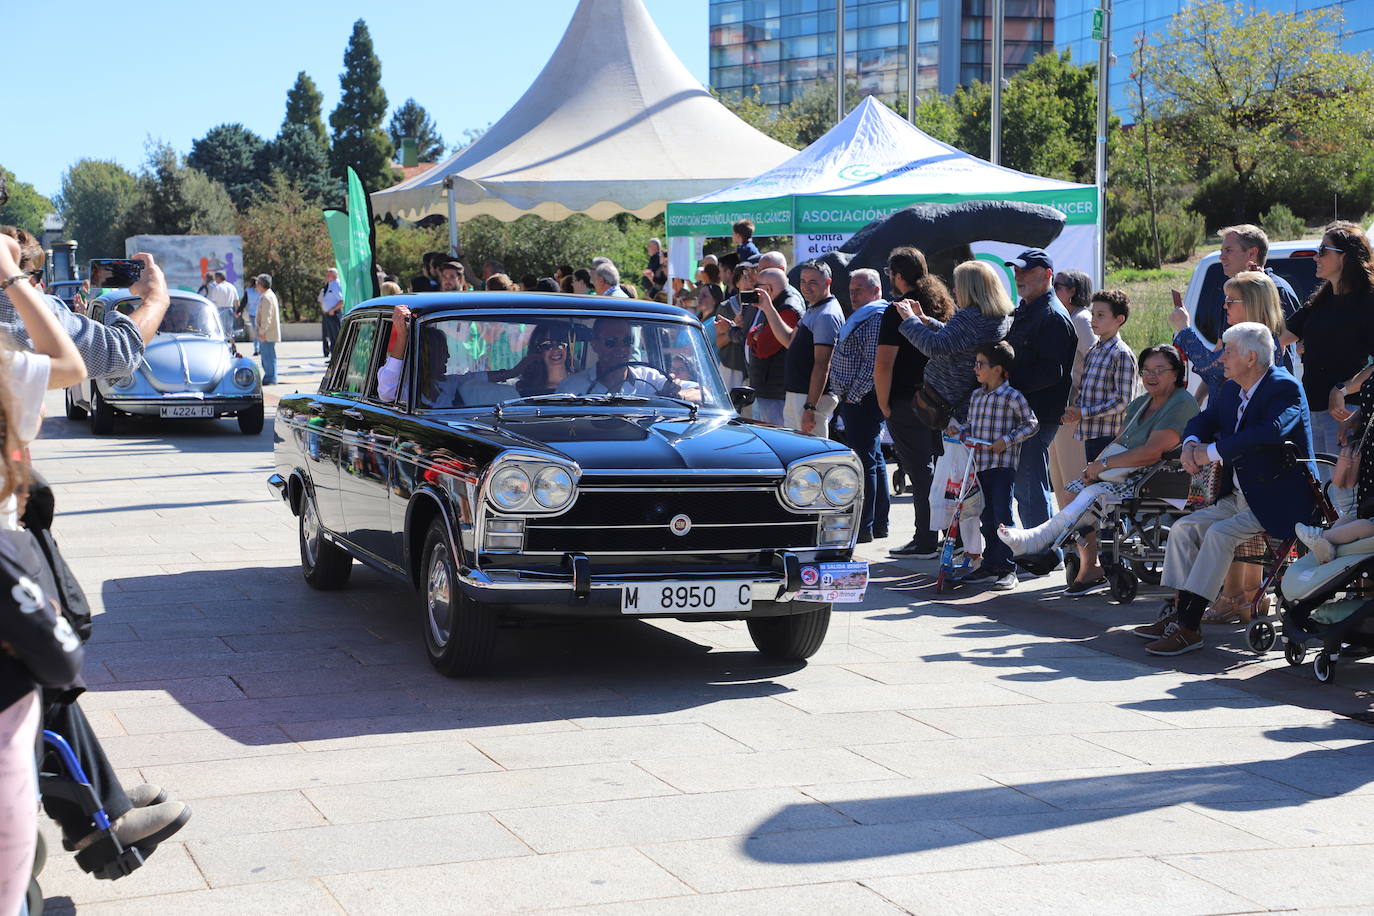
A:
863, 425
268, 352
769, 410
1324, 441
996, 484
1033, 493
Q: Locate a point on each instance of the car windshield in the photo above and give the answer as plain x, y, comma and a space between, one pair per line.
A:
190, 316
484, 361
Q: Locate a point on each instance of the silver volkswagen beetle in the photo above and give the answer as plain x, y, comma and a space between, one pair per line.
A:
190, 369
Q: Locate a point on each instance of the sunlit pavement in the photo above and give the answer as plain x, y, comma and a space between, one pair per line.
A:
986, 753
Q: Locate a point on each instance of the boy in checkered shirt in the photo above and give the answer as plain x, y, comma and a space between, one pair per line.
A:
1109, 374
998, 414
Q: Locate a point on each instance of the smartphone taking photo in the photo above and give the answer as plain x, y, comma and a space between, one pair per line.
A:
115, 273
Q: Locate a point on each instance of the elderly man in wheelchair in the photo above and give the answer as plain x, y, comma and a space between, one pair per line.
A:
1259, 430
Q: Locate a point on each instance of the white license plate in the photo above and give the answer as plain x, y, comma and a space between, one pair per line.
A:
191, 411
672, 597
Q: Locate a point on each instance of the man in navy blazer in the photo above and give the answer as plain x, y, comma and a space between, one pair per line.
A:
1254, 426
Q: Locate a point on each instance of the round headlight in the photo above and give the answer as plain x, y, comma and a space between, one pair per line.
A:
244, 377
510, 487
841, 485
553, 488
803, 485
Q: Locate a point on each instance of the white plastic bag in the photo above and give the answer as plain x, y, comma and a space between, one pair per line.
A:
950, 469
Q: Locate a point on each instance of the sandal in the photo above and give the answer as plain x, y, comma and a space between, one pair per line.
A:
1227, 610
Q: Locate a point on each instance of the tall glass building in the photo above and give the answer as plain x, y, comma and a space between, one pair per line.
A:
784, 47
1073, 27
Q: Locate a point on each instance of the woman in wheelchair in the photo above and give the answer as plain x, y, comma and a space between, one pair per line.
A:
1154, 427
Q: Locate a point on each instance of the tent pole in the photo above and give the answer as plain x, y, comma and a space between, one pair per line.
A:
1104, 63
999, 13
452, 217
839, 61
912, 46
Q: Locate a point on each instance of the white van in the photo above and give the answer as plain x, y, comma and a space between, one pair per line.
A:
1294, 261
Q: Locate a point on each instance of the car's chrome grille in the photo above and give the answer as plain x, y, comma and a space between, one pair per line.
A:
628, 519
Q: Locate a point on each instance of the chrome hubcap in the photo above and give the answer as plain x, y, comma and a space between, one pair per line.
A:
310, 531
438, 599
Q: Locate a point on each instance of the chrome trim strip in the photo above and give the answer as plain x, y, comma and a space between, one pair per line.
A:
704, 489
678, 553
664, 525
519, 580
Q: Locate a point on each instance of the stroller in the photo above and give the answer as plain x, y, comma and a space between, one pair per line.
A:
1315, 617
1132, 531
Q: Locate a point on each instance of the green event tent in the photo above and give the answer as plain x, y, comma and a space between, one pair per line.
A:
867, 167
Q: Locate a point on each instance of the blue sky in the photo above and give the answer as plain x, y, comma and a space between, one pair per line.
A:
181, 68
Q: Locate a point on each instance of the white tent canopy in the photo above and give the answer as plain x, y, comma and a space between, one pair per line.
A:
613, 123
867, 167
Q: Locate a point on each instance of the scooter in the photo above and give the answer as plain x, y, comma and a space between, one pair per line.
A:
966, 486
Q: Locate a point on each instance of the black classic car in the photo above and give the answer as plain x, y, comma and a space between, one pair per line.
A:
539, 455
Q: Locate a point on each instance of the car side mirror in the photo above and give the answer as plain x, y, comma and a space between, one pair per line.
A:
741, 397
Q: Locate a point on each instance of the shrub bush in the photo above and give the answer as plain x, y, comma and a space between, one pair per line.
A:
1281, 225
1180, 232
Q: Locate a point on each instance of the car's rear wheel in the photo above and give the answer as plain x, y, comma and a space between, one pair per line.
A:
459, 633
250, 420
73, 411
102, 415
793, 637
325, 565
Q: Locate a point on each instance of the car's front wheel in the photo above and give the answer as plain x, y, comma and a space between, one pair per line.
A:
73, 411
325, 565
250, 420
102, 415
793, 637
459, 633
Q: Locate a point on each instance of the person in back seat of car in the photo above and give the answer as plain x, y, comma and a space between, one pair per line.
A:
439, 388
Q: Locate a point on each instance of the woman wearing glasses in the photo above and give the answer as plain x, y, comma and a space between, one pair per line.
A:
545, 365
1154, 426
1336, 328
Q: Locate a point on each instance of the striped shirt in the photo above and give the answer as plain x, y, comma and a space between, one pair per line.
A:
1002, 413
1107, 387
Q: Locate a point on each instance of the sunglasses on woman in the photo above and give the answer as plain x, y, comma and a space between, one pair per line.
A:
546, 345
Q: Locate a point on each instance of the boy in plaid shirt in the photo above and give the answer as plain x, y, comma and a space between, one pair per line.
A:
1109, 373
999, 414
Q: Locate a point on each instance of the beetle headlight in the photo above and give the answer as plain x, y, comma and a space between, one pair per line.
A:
803, 485
510, 488
244, 377
553, 488
841, 485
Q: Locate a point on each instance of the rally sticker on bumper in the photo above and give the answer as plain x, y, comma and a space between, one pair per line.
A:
836, 583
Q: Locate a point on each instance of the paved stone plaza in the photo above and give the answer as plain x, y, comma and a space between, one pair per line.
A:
984, 754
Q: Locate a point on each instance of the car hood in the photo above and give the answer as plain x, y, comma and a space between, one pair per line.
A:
186, 362
629, 442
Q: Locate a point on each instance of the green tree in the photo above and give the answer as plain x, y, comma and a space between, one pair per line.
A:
95, 200
303, 160
1258, 94
359, 140
303, 107
26, 208
531, 245
411, 120
230, 154
284, 235
175, 199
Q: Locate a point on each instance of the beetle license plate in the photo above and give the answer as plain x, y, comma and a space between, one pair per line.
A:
188, 411
673, 597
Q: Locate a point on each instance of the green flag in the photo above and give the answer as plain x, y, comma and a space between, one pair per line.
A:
353, 239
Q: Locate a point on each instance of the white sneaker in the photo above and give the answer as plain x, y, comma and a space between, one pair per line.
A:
1312, 537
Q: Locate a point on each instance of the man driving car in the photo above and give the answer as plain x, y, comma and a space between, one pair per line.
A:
616, 370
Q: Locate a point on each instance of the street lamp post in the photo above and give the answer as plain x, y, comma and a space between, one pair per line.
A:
999, 13
839, 61
912, 58
1102, 31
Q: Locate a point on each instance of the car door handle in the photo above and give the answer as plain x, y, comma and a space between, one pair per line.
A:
352, 413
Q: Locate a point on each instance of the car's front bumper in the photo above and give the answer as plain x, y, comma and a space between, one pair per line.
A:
576, 592
152, 406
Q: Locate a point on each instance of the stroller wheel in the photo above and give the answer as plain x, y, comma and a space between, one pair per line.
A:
1123, 584
1295, 653
1071, 566
1324, 667
1261, 635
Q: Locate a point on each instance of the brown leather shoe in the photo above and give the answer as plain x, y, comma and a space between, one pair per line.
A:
1176, 641
1156, 630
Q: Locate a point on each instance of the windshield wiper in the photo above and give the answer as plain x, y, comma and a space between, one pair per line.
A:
568, 397
693, 406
